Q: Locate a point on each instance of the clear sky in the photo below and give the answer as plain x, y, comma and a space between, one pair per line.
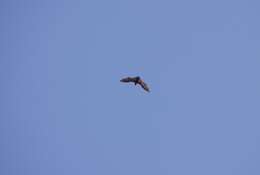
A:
63, 110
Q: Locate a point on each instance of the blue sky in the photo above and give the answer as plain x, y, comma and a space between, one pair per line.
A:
64, 111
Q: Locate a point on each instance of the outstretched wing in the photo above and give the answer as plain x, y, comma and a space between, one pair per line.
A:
144, 85
128, 79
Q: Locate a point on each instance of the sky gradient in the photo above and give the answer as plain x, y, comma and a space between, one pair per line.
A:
63, 110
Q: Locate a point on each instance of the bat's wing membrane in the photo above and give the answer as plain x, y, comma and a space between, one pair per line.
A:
144, 86
127, 79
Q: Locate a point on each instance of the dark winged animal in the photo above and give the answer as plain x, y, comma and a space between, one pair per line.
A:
136, 80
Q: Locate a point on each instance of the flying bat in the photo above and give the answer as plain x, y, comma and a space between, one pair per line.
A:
136, 80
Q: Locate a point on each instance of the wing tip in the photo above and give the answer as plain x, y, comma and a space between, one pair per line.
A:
123, 80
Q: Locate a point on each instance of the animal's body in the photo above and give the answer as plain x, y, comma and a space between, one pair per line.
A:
136, 80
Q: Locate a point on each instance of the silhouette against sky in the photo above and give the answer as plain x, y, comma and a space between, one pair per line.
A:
64, 111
